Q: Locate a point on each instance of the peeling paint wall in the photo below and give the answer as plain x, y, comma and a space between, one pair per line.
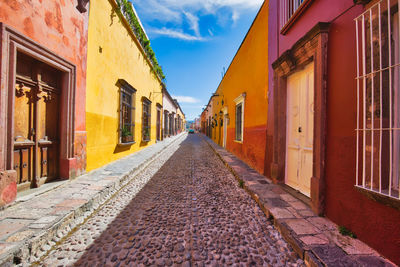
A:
59, 27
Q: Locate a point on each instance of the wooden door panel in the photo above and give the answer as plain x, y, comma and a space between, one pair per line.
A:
23, 113
25, 164
300, 129
17, 164
43, 161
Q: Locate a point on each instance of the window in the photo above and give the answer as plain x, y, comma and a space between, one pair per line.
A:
378, 99
146, 120
166, 129
127, 113
238, 124
289, 9
239, 117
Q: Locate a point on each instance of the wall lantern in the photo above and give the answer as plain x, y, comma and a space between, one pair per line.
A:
82, 5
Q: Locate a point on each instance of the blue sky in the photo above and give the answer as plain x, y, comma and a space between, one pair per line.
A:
193, 41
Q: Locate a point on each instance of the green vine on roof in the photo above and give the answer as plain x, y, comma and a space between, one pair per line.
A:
126, 9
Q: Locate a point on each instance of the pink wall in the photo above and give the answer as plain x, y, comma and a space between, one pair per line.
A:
61, 28
58, 26
372, 222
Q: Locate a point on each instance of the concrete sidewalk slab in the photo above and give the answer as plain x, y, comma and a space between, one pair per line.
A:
33, 224
315, 239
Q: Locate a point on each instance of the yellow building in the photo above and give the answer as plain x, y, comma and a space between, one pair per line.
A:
124, 93
237, 114
181, 120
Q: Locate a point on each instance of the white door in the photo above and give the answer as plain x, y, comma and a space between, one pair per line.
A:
300, 129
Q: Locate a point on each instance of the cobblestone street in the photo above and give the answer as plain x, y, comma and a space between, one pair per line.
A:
186, 209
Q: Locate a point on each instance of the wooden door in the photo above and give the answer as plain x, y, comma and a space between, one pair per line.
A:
300, 129
36, 119
225, 130
158, 124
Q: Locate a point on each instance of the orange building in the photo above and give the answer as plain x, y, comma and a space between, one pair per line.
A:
236, 115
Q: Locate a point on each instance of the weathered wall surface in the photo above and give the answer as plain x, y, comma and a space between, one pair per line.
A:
113, 54
372, 222
248, 73
59, 27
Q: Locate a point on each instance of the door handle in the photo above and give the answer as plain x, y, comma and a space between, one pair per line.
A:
300, 130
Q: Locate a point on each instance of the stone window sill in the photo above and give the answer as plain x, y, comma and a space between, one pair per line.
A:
238, 141
380, 198
126, 144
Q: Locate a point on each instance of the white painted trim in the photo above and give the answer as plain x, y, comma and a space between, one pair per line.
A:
240, 100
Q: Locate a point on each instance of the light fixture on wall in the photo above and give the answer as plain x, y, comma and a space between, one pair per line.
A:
82, 5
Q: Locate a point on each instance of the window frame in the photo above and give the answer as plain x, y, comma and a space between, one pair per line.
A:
126, 88
285, 23
239, 102
380, 181
146, 114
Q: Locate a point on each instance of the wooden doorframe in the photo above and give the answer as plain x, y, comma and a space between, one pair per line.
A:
312, 47
159, 122
12, 42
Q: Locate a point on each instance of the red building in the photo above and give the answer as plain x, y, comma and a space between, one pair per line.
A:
334, 112
43, 47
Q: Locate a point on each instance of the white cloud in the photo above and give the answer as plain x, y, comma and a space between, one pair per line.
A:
174, 13
235, 16
208, 5
186, 99
174, 33
194, 22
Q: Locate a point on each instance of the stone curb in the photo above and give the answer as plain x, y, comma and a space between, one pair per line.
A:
39, 242
318, 243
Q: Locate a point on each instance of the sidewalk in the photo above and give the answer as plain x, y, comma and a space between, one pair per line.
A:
37, 221
315, 239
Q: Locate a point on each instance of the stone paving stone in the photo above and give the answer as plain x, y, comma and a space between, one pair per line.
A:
281, 213
298, 205
184, 210
20, 236
312, 229
9, 226
301, 227
318, 239
70, 202
350, 245
322, 223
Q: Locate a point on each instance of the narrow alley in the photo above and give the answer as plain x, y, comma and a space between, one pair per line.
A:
191, 212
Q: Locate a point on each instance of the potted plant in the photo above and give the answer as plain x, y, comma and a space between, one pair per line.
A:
126, 135
146, 134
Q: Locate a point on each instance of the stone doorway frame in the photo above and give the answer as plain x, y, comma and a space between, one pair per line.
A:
312, 47
12, 42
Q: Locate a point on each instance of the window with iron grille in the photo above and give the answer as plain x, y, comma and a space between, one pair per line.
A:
288, 9
378, 99
127, 113
146, 120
